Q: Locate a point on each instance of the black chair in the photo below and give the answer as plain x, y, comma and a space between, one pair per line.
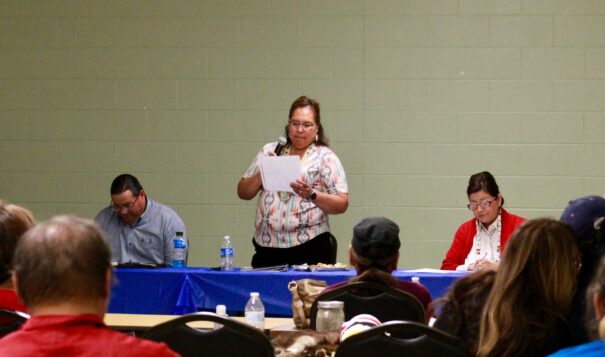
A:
11, 320
384, 302
232, 339
333, 249
421, 340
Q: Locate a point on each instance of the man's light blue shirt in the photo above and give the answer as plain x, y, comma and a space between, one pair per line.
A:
148, 240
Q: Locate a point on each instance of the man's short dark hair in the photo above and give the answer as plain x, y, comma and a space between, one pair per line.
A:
63, 259
125, 182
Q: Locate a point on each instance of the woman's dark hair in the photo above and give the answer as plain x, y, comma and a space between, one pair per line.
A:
303, 102
483, 181
461, 307
375, 275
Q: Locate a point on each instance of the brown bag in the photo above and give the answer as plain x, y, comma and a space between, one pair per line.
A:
304, 292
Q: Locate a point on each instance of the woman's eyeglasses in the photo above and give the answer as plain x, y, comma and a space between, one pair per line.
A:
297, 124
473, 206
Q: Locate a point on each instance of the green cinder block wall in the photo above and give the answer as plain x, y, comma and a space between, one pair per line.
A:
416, 96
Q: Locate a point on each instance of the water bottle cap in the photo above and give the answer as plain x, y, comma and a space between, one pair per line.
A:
254, 294
221, 309
227, 237
179, 234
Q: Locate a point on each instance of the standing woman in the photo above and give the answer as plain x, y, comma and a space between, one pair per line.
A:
525, 313
479, 242
293, 228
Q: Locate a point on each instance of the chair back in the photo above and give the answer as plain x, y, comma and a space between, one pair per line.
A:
232, 339
420, 340
11, 320
384, 302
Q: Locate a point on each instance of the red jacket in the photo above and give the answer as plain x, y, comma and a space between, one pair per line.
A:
10, 301
463, 240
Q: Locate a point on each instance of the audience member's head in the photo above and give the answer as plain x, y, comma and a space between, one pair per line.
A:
65, 260
595, 301
532, 290
128, 199
14, 221
586, 215
462, 306
375, 244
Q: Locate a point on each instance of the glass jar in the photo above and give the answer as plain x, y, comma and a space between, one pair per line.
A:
330, 316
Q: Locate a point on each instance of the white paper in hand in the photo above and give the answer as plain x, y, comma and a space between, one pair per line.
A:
278, 171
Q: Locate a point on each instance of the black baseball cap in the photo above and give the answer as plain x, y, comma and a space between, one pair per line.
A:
376, 238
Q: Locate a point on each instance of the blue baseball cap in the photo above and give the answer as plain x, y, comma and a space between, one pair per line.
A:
585, 215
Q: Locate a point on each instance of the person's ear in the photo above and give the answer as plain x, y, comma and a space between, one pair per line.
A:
108, 282
352, 261
395, 262
15, 281
599, 309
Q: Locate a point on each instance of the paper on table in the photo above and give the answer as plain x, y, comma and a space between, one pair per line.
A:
278, 171
429, 270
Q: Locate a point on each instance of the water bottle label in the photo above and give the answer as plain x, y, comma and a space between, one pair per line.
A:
256, 319
226, 252
179, 254
178, 263
179, 244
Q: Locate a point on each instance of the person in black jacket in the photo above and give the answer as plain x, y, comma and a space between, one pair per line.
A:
585, 215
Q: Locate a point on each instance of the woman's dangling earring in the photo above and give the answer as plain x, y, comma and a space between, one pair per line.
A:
316, 137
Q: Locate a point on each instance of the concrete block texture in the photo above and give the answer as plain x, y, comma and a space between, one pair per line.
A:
416, 95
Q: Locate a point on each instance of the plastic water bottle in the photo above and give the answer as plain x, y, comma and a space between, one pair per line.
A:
221, 310
226, 254
179, 253
255, 312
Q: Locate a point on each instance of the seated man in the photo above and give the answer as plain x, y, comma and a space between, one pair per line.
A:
374, 253
63, 275
140, 230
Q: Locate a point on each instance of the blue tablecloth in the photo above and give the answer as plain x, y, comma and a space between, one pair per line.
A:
184, 290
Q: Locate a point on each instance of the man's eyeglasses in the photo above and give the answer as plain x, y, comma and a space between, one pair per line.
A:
124, 207
473, 206
297, 124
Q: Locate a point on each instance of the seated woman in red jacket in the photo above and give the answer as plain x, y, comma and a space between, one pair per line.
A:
479, 242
